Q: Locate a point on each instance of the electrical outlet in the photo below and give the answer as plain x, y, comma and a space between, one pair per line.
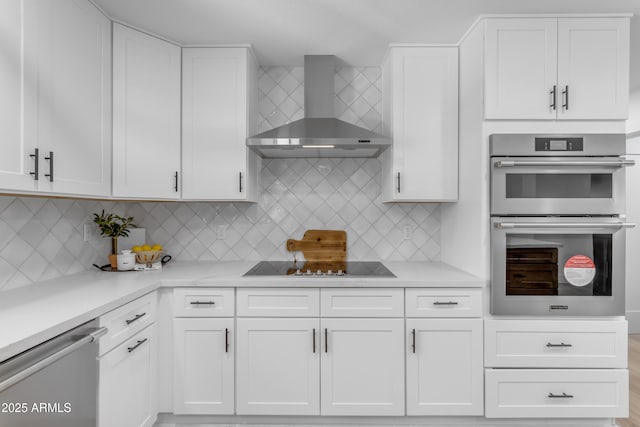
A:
407, 232
222, 232
88, 232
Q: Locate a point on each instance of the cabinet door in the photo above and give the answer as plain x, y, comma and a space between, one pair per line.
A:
71, 58
127, 390
362, 367
146, 116
593, 66
444, 367
15, 163
278, 369
203, 366
425, 125
215, 113
520, 68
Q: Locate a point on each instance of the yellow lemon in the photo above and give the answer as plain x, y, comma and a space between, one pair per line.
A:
136, 249
146, 247
156, 247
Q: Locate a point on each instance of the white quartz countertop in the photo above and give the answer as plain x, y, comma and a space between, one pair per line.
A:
32, 314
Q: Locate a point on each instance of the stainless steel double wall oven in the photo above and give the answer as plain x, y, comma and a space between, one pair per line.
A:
557, 224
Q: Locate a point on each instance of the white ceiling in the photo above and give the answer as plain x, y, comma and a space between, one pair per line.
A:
356, 31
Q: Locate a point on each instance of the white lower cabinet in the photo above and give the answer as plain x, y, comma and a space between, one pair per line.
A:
278, 369
444, 367
203, 366
127, 382
362, 367
557, 393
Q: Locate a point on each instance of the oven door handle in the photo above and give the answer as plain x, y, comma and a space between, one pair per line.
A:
41, 364
552, 163
616, 225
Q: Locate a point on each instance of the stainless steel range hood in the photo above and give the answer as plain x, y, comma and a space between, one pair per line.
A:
319, 133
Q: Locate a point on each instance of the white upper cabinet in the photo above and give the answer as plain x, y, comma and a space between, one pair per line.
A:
593, 68
146, 116
218, 101
56, 86
420, 113
557, 68
15, 163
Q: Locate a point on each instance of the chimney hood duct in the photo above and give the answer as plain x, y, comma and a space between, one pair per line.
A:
319, 133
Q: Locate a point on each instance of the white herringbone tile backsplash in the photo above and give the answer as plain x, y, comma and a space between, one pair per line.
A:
42, 238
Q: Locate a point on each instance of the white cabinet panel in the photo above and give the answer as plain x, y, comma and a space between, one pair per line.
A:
218, 92
203, 366
56, 86
521, 67
593, 66
362, 367
278, 302
557, 393
127, 320
278, 368
557, 343
15, 163
146, 115
444, 367
444, 302
420, 87
203, 302
361, 302
557, 68
127, 385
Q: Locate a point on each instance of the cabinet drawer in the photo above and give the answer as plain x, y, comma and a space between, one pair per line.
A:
278, 302
444, 302
556, 344
556, 393
203, 302
125, 321
362, 302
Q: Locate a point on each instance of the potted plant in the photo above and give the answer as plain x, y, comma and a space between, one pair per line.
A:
114, 226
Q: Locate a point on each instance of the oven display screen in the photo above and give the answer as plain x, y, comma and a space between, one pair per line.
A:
558, 145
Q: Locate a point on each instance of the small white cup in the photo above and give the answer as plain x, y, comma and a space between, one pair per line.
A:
126, 261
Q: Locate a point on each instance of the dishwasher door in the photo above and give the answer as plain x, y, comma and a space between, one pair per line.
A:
53, 384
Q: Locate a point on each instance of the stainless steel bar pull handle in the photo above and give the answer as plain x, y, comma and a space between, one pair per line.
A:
326, 340
49, 360
398, 182
175, 176
413, 340
558, 345
577, 163
50, 174
137, 317
314, 340
202, 303
553, 97
138, 344
445, 303
616, 225
36, 164
226, 340
565, 92
240, 182
560, 396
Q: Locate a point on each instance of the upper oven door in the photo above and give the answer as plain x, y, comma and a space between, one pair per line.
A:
558, 185
557, 265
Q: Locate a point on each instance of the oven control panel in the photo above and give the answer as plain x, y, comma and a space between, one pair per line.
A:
559, 144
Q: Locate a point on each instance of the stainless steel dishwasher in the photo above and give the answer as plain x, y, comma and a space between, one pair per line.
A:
53, 384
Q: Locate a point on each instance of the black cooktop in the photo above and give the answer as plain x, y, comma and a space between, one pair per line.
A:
314, 269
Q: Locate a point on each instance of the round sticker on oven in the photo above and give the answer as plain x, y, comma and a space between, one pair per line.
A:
579, 270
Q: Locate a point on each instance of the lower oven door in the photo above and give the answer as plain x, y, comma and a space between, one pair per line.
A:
557, 266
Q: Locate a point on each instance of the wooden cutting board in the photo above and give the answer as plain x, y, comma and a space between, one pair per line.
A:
321, 245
